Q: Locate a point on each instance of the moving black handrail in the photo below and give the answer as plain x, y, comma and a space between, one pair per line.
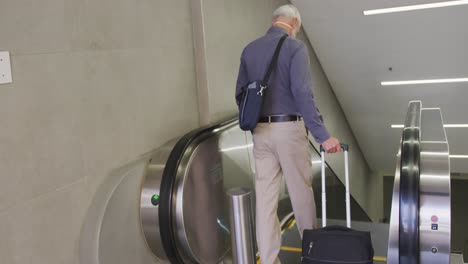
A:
408, 241
167, 187
168, 182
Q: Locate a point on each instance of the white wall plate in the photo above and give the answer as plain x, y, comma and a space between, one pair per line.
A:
5, 68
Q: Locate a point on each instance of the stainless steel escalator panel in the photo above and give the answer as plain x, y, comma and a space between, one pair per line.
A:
199, 204
213, 164
434, 211
212, 161
149, 213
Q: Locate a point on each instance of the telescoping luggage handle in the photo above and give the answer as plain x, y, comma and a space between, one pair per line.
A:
345, 148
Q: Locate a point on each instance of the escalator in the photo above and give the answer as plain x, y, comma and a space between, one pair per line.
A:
183, 206
189, 178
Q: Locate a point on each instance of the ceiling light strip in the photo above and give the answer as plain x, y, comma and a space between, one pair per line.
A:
446, 125
429, 81
456, 125
414, 7
459, 156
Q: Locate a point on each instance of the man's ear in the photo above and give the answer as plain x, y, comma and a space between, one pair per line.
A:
294, 22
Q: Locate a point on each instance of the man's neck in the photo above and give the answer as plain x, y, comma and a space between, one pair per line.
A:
283, 25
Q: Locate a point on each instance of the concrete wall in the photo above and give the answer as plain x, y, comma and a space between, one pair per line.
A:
379, 185
96, 84
230, 25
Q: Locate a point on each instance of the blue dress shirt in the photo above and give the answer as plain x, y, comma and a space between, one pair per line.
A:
290, 86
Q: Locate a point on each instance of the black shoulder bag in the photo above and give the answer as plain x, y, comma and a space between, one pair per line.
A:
251, 103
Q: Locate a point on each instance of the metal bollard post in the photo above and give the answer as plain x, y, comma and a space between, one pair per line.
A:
242, 226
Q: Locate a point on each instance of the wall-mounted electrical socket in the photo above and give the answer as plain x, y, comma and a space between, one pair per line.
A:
5, 67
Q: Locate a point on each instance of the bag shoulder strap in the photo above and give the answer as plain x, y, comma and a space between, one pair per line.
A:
274, 60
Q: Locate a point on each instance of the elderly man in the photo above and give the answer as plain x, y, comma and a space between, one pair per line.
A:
281, 145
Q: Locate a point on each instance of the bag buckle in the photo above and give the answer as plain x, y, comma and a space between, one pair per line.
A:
262, 87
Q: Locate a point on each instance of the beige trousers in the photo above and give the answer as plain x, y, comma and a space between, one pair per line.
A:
281, 149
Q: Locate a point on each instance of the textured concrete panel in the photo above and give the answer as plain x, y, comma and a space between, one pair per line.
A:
44, 230
29, 26
41, 145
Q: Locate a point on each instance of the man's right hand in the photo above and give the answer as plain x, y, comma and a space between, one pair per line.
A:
331, 145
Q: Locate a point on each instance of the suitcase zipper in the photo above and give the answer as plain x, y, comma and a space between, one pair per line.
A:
311, 244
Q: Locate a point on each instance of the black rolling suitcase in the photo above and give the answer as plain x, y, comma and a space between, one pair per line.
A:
336, 244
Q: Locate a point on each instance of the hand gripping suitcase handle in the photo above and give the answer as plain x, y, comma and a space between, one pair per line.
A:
345, 148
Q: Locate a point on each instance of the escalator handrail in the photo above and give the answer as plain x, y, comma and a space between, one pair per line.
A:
167, 188
408, 241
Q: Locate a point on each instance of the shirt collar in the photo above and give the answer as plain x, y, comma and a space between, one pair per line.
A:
274, 29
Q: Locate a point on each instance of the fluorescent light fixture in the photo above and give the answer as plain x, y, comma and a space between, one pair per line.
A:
456, 125
459, 156
429, 81
414, 7
446, 125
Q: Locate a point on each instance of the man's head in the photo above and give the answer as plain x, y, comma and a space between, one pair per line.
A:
287, 17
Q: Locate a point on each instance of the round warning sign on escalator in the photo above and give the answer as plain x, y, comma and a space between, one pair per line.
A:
434, 225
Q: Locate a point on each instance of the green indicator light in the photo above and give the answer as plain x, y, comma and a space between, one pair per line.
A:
155, 199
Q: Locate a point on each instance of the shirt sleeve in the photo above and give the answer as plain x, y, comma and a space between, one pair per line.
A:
301, 87
241, 79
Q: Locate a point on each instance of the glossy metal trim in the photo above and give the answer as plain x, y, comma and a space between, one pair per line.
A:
435, 210
409, 187
172, 240
241, 225
149, 213
182, 239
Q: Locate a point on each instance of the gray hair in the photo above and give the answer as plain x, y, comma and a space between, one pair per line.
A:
289, 11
